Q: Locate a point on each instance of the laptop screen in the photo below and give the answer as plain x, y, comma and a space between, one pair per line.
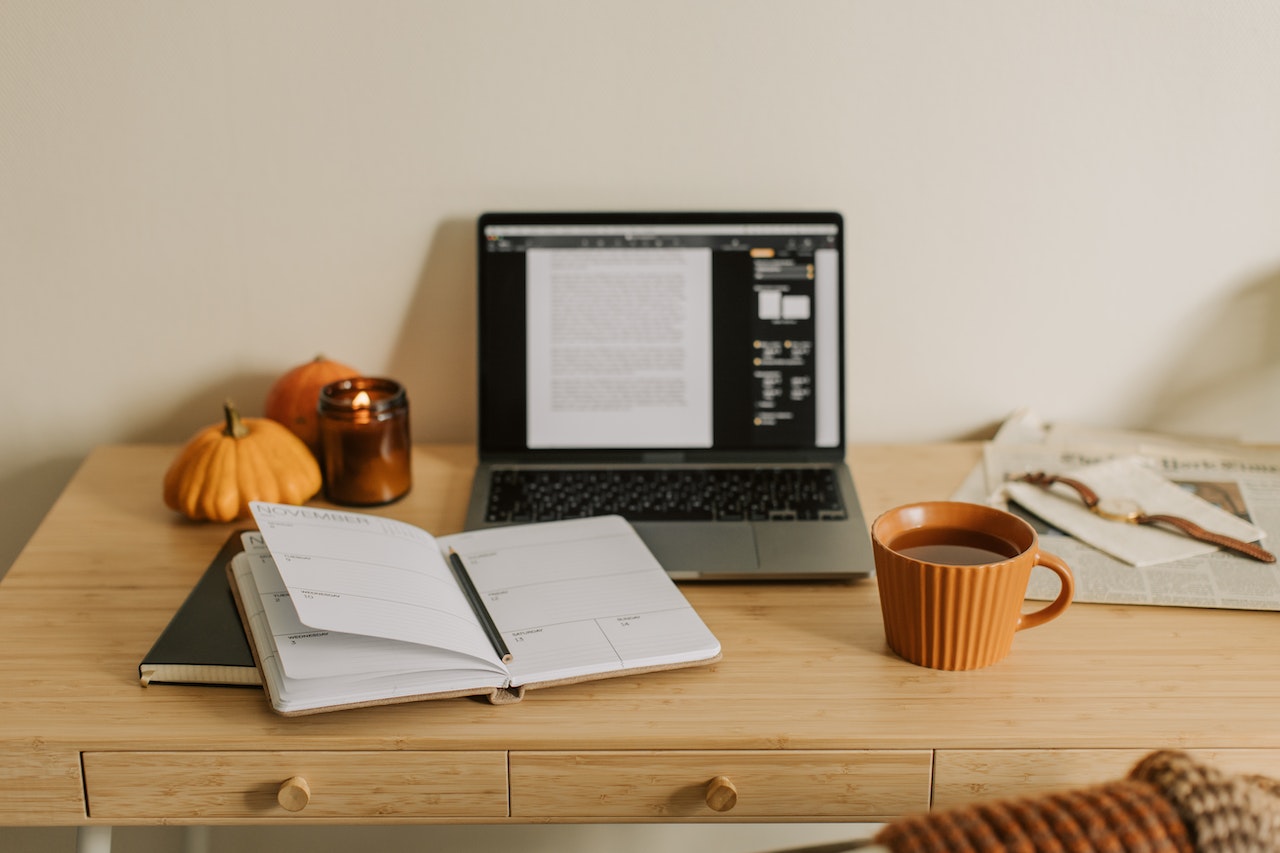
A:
690, 334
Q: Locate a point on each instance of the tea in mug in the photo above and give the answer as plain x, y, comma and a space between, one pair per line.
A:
952, 578
954, 546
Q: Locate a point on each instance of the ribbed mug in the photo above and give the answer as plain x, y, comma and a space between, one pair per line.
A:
953, 578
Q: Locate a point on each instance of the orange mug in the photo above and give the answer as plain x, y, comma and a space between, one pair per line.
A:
953, 577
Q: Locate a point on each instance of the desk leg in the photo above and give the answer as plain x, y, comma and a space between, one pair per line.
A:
195, 839
93, 839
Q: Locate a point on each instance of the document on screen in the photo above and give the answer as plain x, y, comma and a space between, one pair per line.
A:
618, 348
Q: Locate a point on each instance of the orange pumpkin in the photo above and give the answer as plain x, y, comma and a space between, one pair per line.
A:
227, 465
292, 399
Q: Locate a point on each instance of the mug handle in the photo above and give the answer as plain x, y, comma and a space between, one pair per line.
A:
1054, 609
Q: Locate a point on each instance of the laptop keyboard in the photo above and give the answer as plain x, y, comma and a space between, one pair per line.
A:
679, 494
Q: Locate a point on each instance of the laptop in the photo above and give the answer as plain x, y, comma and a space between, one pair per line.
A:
683, 370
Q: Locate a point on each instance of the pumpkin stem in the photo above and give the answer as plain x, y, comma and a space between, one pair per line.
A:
235, 426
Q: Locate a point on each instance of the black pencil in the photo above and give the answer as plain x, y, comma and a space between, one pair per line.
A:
482, 612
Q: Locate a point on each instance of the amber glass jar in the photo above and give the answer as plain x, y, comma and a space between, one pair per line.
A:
364, 439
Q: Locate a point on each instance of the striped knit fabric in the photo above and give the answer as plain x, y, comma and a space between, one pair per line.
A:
1170, 803
1224, 813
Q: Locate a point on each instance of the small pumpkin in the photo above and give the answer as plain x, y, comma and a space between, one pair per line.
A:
292, 399
226, 465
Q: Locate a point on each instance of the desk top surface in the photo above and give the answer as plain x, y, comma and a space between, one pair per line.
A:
805, 664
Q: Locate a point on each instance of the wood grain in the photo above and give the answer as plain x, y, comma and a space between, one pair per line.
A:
805, 669
967, 776
794, 784
309, 785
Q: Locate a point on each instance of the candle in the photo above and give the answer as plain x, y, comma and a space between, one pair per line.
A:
364, 440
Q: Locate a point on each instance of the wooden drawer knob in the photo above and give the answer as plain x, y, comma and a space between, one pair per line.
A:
722, 794
294, 794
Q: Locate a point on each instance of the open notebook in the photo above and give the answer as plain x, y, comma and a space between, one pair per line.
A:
346, 609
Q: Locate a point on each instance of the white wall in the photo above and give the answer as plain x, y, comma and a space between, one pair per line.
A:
1072, 205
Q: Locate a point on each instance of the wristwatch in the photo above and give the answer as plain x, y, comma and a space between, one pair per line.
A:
1124, 510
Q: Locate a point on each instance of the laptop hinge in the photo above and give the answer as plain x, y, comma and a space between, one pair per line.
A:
668, 457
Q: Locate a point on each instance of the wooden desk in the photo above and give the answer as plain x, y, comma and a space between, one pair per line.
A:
809, 715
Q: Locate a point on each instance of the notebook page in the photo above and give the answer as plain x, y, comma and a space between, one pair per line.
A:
364, 574
305, 652
296, 695
580, 597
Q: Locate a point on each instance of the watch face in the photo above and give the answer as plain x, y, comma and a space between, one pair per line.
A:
1118, 509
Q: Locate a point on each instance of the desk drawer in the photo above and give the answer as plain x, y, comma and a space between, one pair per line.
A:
306, 784
966, 776
781, 784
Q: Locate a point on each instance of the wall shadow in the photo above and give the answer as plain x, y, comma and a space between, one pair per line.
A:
32, 489
1228, 369
29, 492
435, 354
202, 407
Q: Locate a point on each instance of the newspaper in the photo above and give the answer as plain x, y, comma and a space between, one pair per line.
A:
1243, 480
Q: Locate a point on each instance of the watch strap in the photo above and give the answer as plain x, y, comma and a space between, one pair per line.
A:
1186, 526
1040, 478
1195, 531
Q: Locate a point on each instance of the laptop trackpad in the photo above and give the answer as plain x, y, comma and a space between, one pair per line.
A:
690, 548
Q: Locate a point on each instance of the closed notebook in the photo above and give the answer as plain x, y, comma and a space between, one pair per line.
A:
347, 609
204, 642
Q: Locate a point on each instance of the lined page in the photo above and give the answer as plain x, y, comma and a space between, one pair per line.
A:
364, 574
306, 652
291, 695
580, 597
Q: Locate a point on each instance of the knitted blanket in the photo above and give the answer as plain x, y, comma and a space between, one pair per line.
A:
1169, 803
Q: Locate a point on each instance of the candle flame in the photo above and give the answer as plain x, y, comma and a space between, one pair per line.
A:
361, 400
